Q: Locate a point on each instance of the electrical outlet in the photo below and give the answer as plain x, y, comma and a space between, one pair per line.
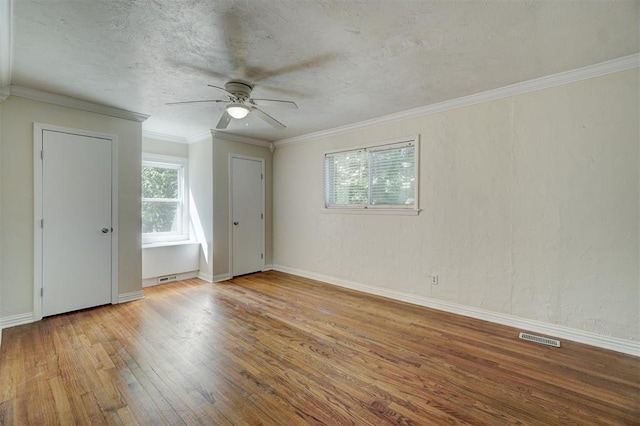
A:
434, 279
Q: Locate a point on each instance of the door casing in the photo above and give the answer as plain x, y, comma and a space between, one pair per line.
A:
261, 161
38, 129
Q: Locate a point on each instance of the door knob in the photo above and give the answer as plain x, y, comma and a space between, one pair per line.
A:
236, 223
105, 230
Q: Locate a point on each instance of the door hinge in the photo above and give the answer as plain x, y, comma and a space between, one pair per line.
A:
261, 255
41, 223
261, 215
41, 291
261, 176
41, 155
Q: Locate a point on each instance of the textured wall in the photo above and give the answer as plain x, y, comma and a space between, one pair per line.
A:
530, 208
18, 116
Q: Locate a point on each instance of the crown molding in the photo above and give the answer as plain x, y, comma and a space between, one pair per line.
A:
199, 137
609, 67
52, 98
163, 137
238, 138
6, 45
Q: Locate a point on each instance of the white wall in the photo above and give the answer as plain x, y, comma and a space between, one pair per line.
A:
16, 192
163, 147
181, 259
221, 223
209, 181
201, 202
530, 209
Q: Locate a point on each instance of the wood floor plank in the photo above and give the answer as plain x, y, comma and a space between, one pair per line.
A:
275, 349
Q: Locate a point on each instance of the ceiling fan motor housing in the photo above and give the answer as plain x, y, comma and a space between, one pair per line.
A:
239, 89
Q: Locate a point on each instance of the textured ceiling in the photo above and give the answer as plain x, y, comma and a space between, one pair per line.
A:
341, 61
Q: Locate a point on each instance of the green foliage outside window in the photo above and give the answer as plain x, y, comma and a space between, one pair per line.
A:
160, 199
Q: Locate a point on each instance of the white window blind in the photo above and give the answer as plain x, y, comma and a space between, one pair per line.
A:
380, 176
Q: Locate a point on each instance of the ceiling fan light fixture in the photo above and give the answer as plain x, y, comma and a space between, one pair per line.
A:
237, 110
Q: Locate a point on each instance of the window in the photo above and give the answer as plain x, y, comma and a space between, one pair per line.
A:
164, 207
374, 177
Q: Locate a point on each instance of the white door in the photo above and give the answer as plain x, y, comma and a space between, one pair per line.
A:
76, 221
247, 216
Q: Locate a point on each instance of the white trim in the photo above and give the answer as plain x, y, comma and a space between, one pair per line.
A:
169, 243
5, 92
199, 137
130, 297
115, 233
38, 129
216, 134
205, 277
163, 137
612, 343
264, 213
268, 267
52, 98
221, 277
159, 158
14, 320
374, 211
6, 46
181, 164
567, 77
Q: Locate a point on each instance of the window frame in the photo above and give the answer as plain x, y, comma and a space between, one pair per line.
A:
180, 164
374, 208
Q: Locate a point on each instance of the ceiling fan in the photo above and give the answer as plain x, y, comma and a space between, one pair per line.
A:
240, 104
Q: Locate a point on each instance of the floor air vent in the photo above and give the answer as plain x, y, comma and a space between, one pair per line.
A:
541, 340
167, 279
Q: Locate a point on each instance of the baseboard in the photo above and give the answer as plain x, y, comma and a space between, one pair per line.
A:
129, 297
221, 277
205, 277
268, 267
13, 320
606, 342
150, 282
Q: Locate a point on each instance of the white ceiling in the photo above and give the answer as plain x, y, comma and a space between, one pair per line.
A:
341, 61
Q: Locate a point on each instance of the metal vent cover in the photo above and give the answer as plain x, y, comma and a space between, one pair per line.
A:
167, 279
539, 339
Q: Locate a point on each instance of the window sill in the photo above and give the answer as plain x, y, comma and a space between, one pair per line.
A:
168, 243
393, 212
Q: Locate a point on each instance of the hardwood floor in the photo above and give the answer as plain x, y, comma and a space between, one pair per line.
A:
272, 348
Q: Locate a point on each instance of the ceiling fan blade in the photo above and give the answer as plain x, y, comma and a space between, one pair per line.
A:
224, 121
315, 62
189, 68
234, 34
197, 102
269, 119
285, 91
275, 103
